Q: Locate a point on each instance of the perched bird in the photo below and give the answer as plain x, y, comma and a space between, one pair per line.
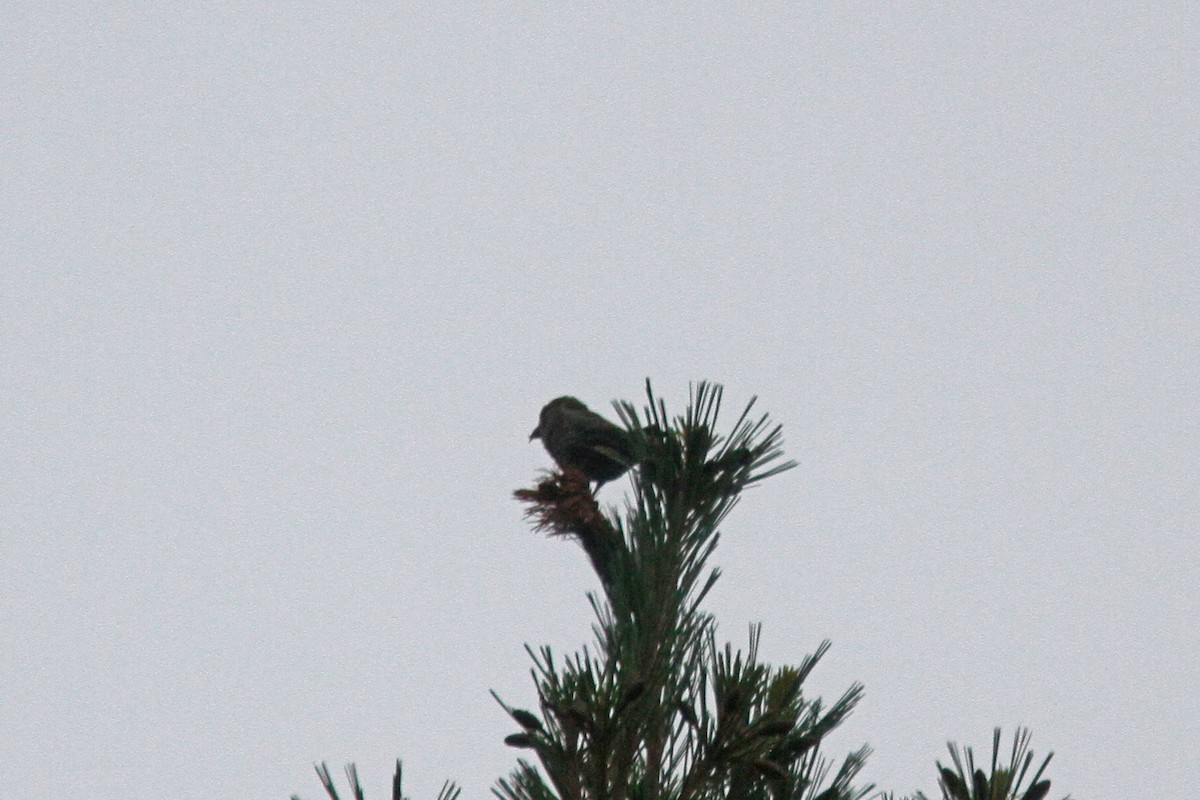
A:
577, 437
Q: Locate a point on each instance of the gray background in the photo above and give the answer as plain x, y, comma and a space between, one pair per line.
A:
284, 289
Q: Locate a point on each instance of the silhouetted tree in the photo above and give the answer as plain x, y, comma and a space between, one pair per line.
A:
656, 708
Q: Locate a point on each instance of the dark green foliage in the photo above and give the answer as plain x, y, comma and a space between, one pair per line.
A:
519, 740
449, 791
954, 787
1037, 791
526, 720
655, 708
966, 781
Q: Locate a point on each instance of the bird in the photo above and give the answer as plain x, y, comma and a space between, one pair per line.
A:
578, 438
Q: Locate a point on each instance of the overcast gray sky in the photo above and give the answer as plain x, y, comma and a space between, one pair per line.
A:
284, 289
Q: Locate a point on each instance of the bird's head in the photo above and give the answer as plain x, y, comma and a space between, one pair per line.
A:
552, 408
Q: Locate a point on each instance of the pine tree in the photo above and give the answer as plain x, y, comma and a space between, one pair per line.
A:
655, 708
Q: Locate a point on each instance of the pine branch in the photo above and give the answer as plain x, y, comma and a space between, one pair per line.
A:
656, 709
449, 790
966, 781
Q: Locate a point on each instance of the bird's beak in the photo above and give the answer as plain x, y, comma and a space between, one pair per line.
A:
537, 433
